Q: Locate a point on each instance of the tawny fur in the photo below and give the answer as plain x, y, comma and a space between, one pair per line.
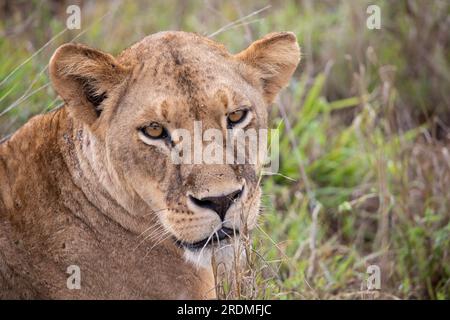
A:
78, 187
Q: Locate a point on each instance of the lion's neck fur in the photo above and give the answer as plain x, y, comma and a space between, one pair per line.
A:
92, 173
58, 207
65, 144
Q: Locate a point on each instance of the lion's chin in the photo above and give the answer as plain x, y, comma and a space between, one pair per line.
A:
222, 254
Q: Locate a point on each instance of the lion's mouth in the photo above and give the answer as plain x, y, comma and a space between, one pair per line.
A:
216, 238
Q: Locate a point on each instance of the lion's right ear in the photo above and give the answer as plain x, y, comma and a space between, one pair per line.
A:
275, 57
84, 78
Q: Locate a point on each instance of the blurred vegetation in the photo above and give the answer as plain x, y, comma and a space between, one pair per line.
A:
365, 159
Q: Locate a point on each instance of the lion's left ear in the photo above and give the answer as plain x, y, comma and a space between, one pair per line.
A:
275, 57
84, 77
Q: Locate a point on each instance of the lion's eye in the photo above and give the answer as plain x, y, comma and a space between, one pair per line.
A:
236, 116
154, 131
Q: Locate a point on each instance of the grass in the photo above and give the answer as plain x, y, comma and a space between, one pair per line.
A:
365, 133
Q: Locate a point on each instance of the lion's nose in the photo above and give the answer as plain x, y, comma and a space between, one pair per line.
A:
219, 204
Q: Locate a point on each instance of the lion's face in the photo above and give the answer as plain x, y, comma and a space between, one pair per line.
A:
170, 83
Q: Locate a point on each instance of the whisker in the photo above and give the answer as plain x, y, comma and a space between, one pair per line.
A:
204, 246
153, 236
154, 211
156, 234
152, 227
159, 242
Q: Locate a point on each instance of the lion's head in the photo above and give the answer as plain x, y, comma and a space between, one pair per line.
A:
131, 107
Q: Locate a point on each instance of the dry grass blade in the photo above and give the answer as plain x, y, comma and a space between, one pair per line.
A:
31, 57
233, 23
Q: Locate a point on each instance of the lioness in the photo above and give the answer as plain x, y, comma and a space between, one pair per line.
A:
92, 183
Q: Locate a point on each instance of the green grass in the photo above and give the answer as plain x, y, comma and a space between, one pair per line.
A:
365, 118
360, 178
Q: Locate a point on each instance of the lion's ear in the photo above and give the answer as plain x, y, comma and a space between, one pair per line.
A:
84, 77
275, 57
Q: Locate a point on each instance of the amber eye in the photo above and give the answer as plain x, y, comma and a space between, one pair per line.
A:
236, 116
154, 131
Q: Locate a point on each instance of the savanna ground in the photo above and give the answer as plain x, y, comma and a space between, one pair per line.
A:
364, 177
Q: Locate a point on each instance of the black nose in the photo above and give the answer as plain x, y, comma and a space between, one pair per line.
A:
218, 204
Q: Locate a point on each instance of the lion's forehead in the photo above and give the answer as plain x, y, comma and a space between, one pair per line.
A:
183, 73
178, 54
184, 92
167, 42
